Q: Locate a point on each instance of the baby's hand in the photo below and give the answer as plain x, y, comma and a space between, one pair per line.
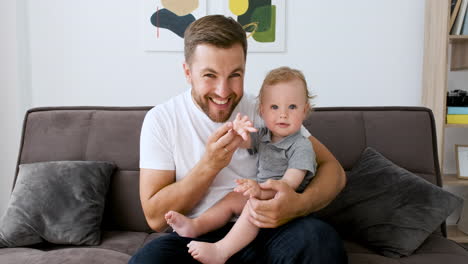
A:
248, 188
243, 126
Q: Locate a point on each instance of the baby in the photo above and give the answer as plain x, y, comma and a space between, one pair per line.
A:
284, 154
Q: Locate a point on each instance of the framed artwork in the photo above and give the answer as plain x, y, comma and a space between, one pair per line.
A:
264, 21
461, 155
165, 21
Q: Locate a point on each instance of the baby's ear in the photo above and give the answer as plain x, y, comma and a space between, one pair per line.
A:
306, 108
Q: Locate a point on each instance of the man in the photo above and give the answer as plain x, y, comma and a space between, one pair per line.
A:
189, 161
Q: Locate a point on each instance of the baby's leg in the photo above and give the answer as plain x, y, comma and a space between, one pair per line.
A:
184, 226
242, 233
212, 219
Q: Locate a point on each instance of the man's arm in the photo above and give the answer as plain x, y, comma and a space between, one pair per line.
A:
287, 204
160, 192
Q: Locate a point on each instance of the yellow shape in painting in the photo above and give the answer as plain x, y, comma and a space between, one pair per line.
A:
253, 26
238, 7
180, 7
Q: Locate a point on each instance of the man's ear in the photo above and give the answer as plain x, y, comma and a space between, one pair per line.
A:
187, 73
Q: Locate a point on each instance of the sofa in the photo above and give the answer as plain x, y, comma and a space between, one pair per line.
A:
405, 135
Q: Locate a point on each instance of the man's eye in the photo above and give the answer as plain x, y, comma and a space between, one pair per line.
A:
209, 75
293, 106
235, 75
274, 107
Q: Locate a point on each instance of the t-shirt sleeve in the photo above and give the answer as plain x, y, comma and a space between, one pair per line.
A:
155, 142
305, 132
302, 156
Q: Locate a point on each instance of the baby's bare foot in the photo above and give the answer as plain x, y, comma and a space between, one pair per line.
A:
207, 253
181, 224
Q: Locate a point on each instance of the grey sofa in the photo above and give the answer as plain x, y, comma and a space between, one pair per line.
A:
112, 134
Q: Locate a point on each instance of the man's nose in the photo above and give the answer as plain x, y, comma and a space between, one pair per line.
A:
222, 89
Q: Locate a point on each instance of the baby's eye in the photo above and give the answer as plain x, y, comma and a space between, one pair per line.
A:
293, 106
274, 107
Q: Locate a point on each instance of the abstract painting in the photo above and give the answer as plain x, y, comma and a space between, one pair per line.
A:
264, 21
165, 22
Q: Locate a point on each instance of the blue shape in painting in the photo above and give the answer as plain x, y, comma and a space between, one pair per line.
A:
166, 19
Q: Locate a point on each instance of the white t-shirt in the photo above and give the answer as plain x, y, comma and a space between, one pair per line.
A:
174, 135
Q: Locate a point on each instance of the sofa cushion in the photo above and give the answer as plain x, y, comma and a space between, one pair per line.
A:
120, 241
71, 255
388, 208
61, 202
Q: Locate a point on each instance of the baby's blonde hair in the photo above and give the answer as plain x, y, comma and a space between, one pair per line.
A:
284, 74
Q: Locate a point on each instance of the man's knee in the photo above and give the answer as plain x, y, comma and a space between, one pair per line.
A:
308, 240
318, 234
166, 249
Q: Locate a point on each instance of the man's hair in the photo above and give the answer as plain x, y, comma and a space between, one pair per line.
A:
216, 30
284, 74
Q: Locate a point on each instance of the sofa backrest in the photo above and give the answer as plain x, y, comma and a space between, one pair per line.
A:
93, 133
405, 135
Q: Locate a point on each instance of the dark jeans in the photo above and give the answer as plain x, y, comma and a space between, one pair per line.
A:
303, 240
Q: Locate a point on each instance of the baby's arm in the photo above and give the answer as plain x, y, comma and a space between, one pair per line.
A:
243, 126
251, 188
294, 177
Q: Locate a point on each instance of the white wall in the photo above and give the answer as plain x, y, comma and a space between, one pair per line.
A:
361, 52
10, 101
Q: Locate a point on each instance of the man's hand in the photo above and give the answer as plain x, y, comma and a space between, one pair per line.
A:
248, 188
276, 211
220, 147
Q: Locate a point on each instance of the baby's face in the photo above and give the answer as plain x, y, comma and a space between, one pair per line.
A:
284, 107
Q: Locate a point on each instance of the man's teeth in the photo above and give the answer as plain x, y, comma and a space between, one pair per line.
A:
220, 102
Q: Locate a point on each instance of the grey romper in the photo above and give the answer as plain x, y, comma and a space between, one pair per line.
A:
293, 152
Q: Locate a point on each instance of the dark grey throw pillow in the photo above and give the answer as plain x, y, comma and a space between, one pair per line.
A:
61, 202
388, 208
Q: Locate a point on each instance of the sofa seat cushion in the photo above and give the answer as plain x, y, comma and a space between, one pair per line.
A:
358, 258
120, 241
436, 249
68, 255
115, 247
124, 242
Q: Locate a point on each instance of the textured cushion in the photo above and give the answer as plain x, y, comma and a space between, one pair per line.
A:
387, 207
61, 202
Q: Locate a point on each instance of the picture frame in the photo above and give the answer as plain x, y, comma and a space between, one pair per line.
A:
270, 38
461, 156
164, 22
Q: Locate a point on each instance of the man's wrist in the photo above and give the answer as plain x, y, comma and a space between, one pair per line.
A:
206, 166
305, 203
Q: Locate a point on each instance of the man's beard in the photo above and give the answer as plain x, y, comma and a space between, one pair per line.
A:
219, 116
